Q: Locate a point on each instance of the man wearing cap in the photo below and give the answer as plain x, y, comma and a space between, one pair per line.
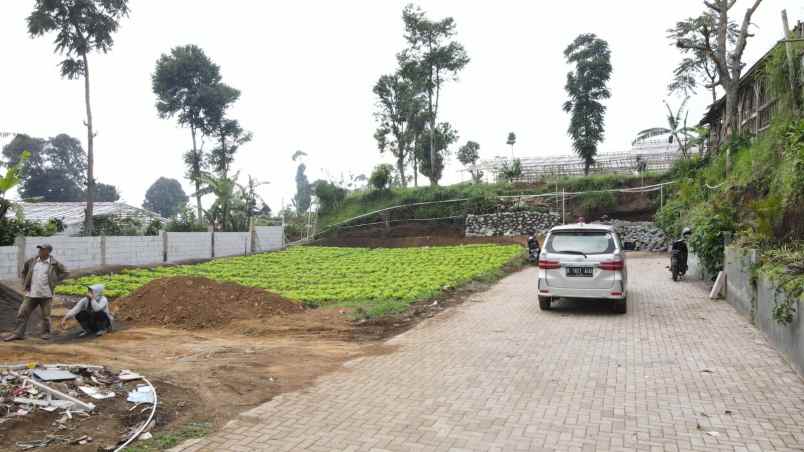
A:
40, 275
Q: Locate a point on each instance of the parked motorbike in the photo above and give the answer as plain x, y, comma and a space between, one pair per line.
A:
533, 249
678, 256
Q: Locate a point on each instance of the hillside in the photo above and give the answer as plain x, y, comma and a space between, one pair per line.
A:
483, 197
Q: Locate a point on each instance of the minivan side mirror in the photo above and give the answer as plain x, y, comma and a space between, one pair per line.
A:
629, 246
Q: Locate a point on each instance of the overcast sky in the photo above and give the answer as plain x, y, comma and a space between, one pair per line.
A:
306, 70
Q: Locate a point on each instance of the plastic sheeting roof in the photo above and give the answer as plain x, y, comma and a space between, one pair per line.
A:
73, 212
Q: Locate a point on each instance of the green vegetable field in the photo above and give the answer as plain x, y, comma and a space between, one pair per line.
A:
378, 280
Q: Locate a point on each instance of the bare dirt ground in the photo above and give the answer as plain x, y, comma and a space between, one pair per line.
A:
211, 374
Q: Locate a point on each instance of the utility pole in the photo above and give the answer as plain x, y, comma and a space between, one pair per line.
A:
563, 207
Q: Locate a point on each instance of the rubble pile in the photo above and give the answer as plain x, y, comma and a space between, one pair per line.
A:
66, 396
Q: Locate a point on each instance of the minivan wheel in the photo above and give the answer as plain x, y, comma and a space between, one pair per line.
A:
544, 303
620, 306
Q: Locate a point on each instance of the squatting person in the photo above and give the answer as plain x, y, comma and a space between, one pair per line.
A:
40, 275
92, 312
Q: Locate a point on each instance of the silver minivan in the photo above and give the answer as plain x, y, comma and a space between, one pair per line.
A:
584, 261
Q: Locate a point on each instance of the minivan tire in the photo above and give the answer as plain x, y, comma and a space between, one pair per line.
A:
620, 306
544, 303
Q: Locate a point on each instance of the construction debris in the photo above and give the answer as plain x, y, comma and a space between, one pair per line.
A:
53, 391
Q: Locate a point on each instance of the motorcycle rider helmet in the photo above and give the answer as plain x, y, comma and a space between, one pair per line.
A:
686, 232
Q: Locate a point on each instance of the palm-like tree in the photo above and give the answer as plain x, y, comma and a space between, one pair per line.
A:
10, 180
223, 188
677, 121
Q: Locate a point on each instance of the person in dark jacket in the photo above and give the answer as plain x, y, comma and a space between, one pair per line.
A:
40, 276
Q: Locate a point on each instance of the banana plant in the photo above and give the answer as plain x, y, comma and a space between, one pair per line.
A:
11, 179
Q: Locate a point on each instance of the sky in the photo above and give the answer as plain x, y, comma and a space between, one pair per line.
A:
306, 71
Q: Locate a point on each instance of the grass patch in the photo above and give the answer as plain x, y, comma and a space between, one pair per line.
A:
166, 440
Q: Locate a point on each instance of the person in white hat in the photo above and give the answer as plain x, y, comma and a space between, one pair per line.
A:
40, 275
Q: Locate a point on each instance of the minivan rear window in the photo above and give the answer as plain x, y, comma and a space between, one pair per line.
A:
587, 242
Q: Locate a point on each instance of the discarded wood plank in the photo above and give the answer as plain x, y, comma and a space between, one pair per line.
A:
720, 283
43, 403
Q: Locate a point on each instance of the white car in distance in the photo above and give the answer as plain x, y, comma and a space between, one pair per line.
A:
583, 261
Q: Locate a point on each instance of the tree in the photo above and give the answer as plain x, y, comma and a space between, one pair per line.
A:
107, 193
725, 57
304, 190
696, 67
677, 121
432, 58
511, 141
56, 171
224, 190
253, 204
186, 83
380, 178
586, 88
231, 136
398, 101
445, 136
329, 195
9, 180
468, 155
165, 197
81, 26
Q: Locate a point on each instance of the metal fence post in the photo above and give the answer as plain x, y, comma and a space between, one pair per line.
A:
563, 206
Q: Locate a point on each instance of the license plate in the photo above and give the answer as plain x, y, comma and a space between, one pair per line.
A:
579, 271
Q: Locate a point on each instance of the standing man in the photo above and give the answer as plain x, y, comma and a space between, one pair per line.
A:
40, 275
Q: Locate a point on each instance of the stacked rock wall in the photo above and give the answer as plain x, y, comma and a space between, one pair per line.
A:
645, 234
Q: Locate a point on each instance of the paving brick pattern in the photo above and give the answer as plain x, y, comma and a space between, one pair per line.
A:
677, 373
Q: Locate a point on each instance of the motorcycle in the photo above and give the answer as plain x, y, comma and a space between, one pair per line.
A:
533, 250
678, 259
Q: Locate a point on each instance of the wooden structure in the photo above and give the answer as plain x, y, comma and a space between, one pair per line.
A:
755, 106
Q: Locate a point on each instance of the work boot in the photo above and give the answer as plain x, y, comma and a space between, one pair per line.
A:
100, 333
13, 337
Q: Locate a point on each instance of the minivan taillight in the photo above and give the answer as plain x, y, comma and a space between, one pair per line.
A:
611, 265
549, 265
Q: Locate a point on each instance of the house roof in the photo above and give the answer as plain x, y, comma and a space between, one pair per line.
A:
73, 212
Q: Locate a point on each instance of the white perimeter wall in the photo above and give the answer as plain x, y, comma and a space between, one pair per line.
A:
182, 246
269, 238
73, 252
133, 250
232, 244
81, 253
8, 263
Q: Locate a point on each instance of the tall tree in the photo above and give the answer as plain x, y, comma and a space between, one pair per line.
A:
165, 197
445, 136
398, 102
511, 141
586, 87
304, 190
432, 57
725, 57
696, 67
187, 85
81, 26
230, 137
468, 155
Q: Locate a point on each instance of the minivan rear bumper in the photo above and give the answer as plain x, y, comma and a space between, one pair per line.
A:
614, 293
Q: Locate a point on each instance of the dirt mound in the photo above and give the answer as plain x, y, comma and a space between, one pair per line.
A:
193, 303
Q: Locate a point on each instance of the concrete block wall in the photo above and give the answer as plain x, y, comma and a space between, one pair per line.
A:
73, 252
8, 263
269, 238
232, 243
133, 250
183, 246
757, 302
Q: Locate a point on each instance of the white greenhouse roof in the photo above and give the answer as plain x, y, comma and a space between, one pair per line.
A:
73, 212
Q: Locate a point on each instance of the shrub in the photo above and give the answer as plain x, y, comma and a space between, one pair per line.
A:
329, 195
11, 228
707, 240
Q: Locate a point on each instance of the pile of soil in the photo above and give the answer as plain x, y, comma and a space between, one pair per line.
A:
194, 303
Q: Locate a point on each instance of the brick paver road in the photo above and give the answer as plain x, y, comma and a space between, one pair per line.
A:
677, 373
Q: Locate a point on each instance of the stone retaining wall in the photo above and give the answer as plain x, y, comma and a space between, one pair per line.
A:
645, 234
